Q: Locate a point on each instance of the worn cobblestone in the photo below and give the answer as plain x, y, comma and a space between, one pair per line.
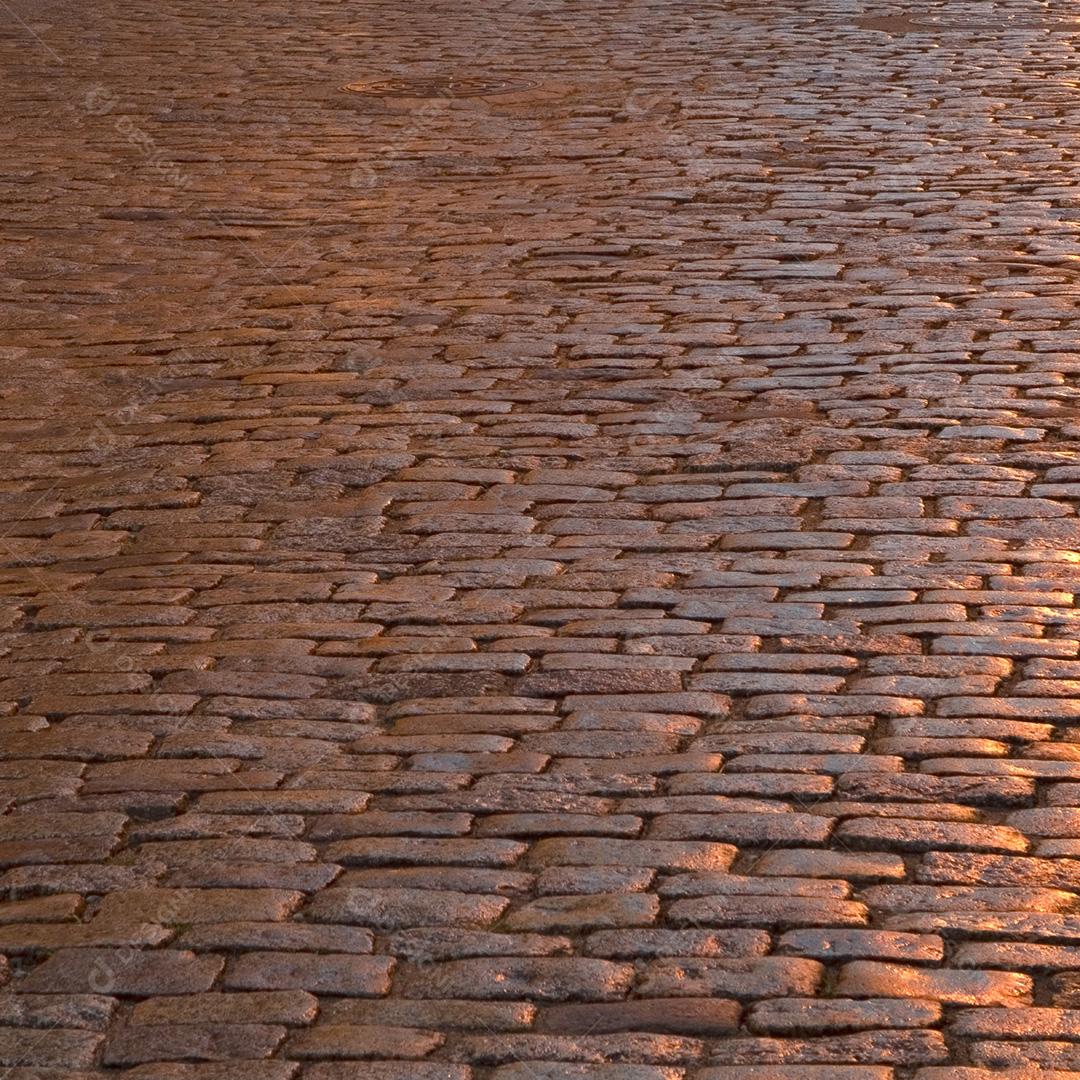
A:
538, 541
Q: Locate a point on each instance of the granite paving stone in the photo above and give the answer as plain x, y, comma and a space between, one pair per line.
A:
539, 541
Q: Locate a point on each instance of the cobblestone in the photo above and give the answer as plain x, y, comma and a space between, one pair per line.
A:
539, 541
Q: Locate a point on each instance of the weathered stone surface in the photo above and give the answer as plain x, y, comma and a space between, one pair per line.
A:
595, 1049
391, 909
844, 944
272, 1007
547, 979
630, 944
676, 1016
58, 1049
199, 1042
902, 1048
744, 979
811, 1016
322, 973
89, 1012
281, 937
539, 544
123, 972
440, 1015
356, 1042
661, 854
578, 913
388, 1070
800, 1072
865, 978
429, 944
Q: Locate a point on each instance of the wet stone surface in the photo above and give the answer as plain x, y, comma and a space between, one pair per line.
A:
447, 86
539, 542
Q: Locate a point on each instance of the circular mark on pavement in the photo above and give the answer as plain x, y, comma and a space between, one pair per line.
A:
440, 86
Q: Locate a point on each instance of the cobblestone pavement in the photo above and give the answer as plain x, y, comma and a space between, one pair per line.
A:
557, 563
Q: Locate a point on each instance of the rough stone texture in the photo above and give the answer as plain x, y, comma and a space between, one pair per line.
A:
555, 562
